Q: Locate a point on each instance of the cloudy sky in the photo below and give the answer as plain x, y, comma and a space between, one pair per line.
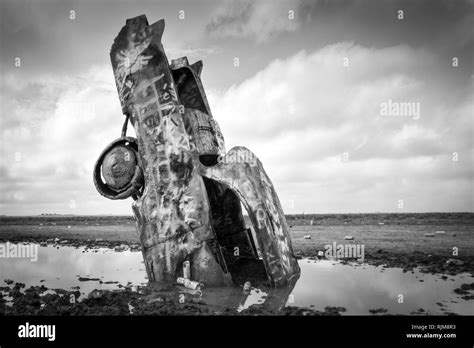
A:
307, 97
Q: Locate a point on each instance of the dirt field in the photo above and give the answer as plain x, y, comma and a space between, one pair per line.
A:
397, 240
393, 240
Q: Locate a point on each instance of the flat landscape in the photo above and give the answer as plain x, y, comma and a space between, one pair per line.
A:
395, 242
394, 234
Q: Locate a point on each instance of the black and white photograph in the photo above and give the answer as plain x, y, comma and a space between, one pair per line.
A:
241, 160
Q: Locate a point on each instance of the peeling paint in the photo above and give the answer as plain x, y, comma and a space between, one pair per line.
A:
181, 216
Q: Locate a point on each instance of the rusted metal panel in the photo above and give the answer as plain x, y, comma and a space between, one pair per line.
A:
189, 208
192, 95
173, 212
189, 85
243, 172
202, 132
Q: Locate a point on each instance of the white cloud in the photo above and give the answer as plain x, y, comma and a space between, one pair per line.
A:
300, 115
261, 20
191, 53
59, 150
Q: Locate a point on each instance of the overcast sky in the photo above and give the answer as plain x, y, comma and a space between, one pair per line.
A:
306, 98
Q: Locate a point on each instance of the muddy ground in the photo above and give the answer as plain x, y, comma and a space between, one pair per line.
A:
393, 240
34, 301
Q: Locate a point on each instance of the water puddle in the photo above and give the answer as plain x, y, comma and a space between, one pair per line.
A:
68, 268
359, 288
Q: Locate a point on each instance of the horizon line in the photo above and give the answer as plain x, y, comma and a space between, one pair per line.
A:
342, 213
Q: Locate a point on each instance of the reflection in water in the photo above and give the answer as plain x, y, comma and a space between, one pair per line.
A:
362, 287
60, 268
358, 288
